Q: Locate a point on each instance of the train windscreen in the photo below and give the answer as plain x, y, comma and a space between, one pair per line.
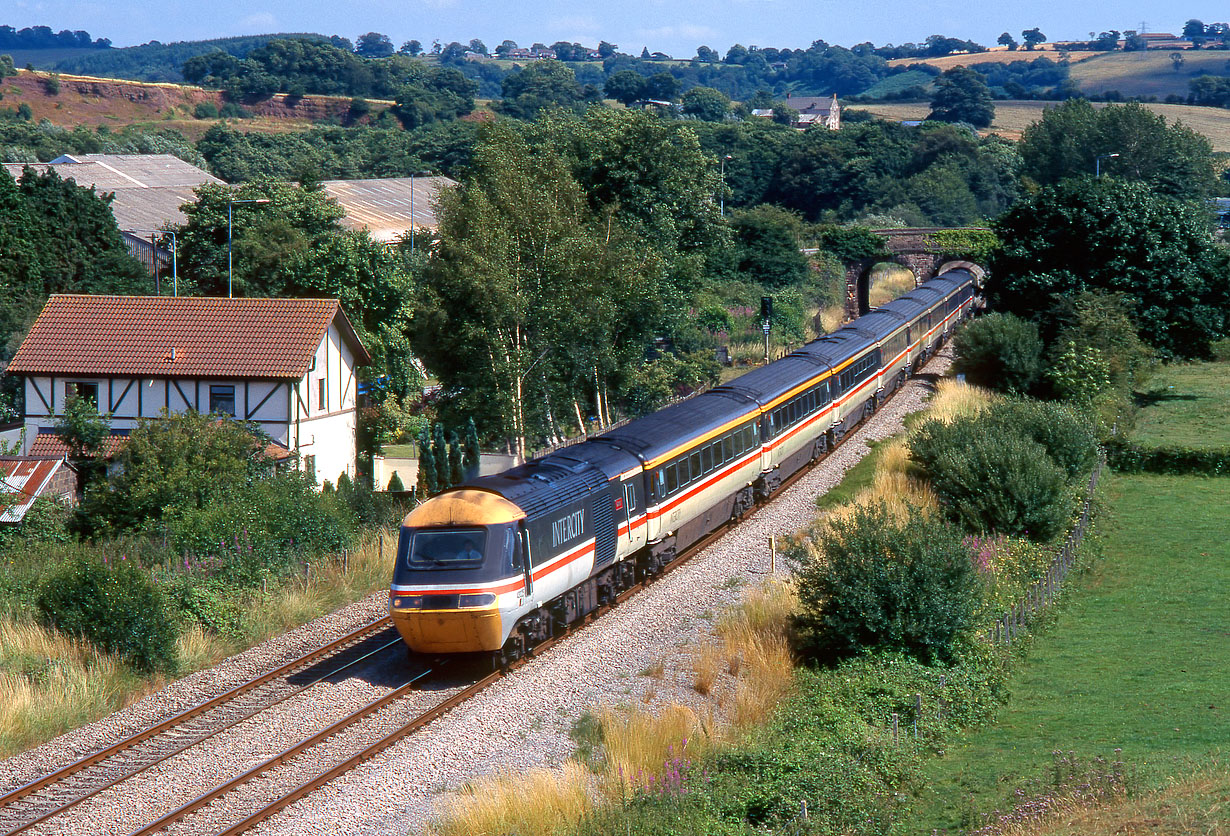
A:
457, 548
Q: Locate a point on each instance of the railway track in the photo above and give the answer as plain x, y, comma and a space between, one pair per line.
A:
51, 795
42, 800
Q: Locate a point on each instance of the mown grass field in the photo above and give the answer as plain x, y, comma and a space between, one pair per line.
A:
1012, 117
1136, 660
1186, 405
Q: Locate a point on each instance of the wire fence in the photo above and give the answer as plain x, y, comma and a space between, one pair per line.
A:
1042, 593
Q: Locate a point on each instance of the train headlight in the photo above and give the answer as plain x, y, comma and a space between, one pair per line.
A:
408, 602
482, 599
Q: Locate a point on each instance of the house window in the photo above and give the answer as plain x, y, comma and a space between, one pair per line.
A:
222, 400
88, 392
322, 395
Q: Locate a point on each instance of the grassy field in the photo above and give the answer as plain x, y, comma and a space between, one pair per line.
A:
1186, 405
997, 55
1012, 117
1149, 73
1136, 661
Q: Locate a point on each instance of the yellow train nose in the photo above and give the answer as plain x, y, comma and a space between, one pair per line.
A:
449, 631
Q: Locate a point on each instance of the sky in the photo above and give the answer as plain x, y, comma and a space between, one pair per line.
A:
675, 27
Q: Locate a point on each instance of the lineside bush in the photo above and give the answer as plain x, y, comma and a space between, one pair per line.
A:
116, 606
990, 478
999, 351
876, 581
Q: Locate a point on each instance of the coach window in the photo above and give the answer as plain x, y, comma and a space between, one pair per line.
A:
672, 479
660, 483
728, 448
695, 467
706, 458
749, 437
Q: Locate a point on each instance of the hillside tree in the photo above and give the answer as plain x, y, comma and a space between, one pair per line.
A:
962, 95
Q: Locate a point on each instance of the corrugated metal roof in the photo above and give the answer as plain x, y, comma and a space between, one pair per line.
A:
22, 480
108, 172
164, 336
383, 206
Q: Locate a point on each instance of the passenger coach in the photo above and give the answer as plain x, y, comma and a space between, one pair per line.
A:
503, 562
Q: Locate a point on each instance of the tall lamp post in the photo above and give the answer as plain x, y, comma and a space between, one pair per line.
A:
230, 263
414, 174
1097, 163
722, 197
174, 266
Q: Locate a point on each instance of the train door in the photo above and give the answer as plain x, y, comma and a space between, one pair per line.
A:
631, 516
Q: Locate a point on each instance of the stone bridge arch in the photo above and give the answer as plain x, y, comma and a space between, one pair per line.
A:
910, 248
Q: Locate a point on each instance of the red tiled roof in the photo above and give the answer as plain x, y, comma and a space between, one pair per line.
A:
50, 445
165, 336
23, 480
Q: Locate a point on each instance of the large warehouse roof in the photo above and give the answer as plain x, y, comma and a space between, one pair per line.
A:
383, 207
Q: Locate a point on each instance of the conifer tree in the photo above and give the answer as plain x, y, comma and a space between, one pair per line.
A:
427, 465
395, 485
439, 450
456, 470
473, 457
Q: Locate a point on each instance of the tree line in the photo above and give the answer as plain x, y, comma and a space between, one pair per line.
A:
42, 37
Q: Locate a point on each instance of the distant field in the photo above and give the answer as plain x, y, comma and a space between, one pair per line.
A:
1012, 117
1148, 73
997, 55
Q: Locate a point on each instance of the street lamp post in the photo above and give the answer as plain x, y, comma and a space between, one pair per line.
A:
230, 264
174, 250
1097, 163
722, 196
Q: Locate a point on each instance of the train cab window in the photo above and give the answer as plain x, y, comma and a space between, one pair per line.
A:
706, 458
695, 467
459, 548
672, 479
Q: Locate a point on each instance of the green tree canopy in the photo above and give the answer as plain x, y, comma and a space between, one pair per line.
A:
1066, 141
962, 95
1116, 236
767, 245
540, 86
706, 103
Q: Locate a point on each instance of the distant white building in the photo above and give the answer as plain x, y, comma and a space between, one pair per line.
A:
286, 365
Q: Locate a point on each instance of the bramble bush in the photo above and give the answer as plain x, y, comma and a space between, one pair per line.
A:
877, 582
116, 606
999, 351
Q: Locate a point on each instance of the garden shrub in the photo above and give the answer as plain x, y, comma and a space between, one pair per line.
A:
992, 479
115, 606
878, 582
999, 351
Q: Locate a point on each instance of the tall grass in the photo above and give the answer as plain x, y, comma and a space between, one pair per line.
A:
955, 399
888, 281
640, 744
51, 683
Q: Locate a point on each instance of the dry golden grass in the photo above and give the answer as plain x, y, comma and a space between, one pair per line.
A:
998, 55
50, 683
888, 281
1193, 804
1013, 117
707, 664
540, 801
955, 399
829, 319
1148, 73
640, 743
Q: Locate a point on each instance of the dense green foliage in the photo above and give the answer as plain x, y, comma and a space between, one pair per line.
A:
1001, 352
42, 37
767, 246
1120, 237
877, 583
156, 61
962, 95
1167, 460
543, 85
116, 606
1009, 470
335, 153
1066, 142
